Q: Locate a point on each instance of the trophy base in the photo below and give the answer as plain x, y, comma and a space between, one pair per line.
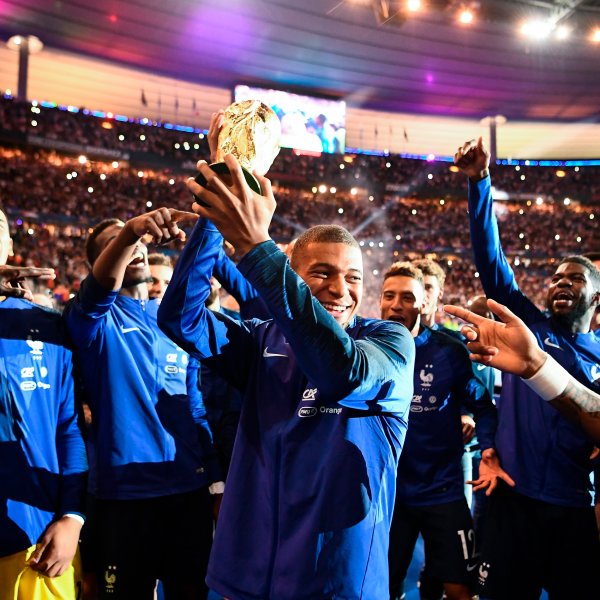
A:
222, 170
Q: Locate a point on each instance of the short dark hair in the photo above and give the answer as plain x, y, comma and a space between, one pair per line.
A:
158, 258
588, 264
323, 234
431, 268
404, 269
91, 248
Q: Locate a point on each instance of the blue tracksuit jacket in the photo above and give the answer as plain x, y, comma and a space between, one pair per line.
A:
147, 430
547, 456
430, 470
42, 454
310, 491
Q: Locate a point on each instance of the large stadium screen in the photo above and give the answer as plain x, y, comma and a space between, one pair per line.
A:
308, 124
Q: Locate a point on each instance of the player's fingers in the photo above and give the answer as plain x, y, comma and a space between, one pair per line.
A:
463, 313
237, 175
507, 478
154, 230
502, 312
183, 216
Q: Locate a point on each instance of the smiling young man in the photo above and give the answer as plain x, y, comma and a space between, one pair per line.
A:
430, 497
541, 534
310, 490
149, 440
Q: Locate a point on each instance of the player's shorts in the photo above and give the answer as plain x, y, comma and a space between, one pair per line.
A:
529, 545
448, 537
20, 582
139, 541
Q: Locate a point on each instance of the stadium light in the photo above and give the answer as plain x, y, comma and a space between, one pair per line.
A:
537, 29
465, 16
596, 36
562, 32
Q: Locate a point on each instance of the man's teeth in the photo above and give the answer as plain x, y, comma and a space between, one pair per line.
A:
335, 307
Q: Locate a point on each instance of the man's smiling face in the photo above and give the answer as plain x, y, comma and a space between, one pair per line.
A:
334, 273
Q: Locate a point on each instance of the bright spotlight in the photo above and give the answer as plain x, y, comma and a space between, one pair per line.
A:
596, 36
537, 30
413, 5
562, 32
465, 16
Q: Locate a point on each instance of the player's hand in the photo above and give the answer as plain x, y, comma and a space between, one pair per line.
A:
161, 224
11, 280
57, 546
507, 345
468, 428
490, 472
216, 123
473, 159
240, 214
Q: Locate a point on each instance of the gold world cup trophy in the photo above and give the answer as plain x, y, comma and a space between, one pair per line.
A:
251, 132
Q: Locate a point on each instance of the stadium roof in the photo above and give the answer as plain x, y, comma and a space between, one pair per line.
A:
370, 52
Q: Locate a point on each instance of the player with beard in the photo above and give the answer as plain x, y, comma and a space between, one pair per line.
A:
542, 533
429, 496
149, 463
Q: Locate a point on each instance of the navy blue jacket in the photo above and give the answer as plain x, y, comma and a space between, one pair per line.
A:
310, 492
430, 470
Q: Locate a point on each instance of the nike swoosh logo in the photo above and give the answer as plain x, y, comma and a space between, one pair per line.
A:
480, 367
267, 354
471, 567
550, 343
129, 329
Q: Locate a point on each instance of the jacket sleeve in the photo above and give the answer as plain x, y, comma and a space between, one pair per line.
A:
497, 277
198, 411
70, 447
234, 283
477, 401
372, 373
85, 316
183, 315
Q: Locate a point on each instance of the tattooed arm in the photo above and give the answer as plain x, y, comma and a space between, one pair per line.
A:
511, 347
582, 406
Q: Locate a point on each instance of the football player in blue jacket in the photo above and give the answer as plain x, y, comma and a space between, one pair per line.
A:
43, 466
310, 490
150, 439
542, 533
430, 495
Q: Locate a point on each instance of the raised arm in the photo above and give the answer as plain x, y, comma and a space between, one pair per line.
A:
496, 275
333, 361
511, 347
161, 224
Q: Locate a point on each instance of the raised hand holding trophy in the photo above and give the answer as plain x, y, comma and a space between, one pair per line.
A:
251, 131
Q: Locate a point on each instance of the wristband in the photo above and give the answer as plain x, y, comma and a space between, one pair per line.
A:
550, 381
76, 517
218, 487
